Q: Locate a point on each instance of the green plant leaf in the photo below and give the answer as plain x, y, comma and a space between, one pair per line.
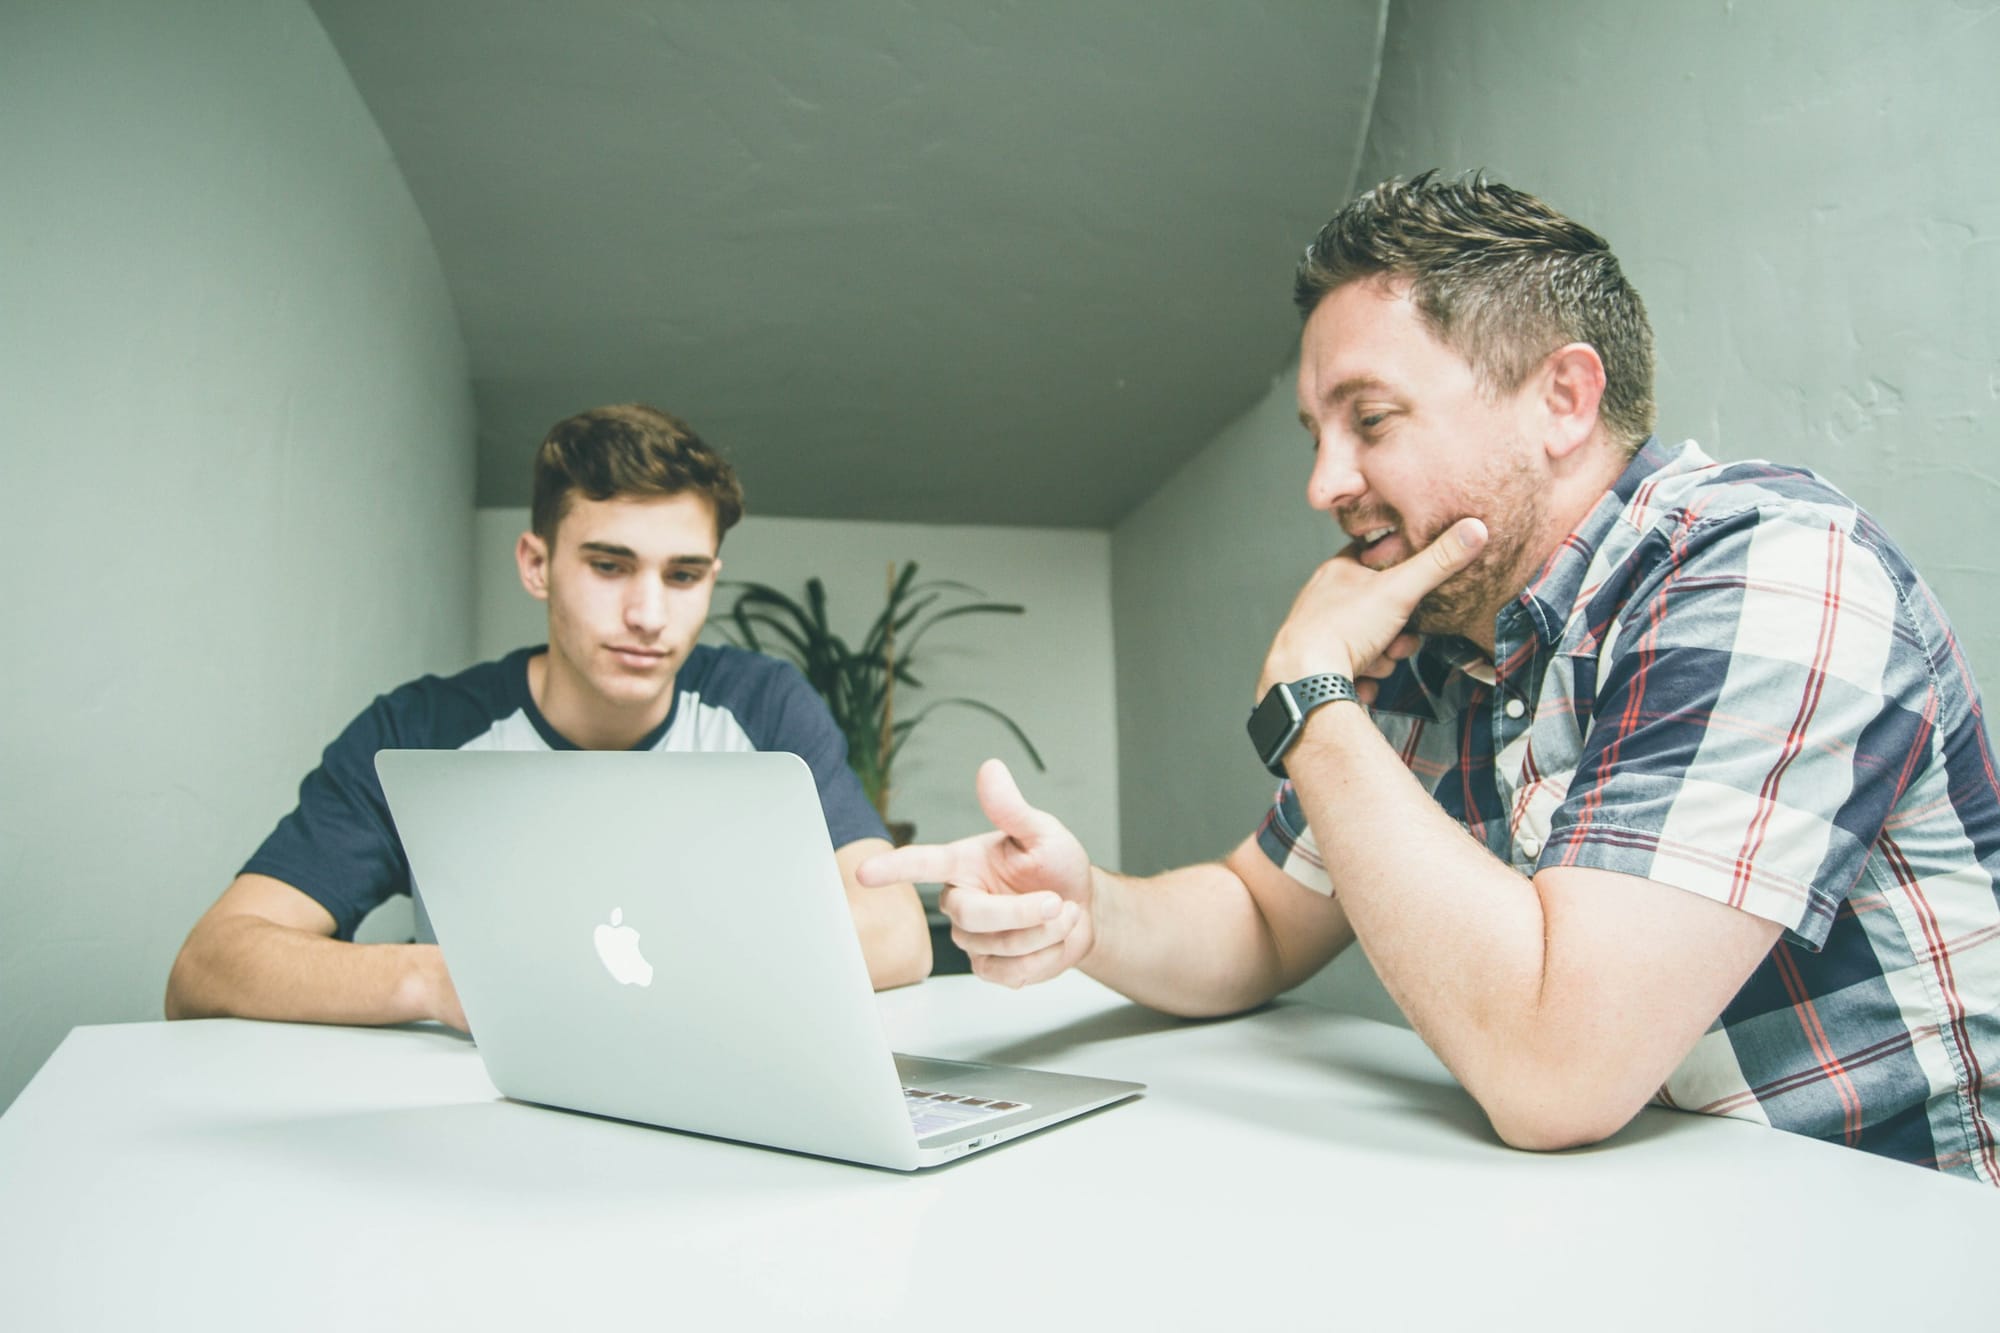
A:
856, 684
875, 646
747, 620
765, 594
904, 728
952, 584
816, 598
971, 609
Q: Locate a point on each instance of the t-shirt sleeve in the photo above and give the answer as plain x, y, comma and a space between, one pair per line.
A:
796, 720
1757, 708
339, 846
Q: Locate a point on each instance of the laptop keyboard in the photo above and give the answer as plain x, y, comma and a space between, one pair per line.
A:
935, 1112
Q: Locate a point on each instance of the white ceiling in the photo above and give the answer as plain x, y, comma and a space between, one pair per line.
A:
949, 261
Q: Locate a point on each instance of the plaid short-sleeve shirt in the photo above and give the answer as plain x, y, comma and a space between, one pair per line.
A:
1728, 679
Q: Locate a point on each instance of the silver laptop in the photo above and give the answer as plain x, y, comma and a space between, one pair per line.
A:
665, 939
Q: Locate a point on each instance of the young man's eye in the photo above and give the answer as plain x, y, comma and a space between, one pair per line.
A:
604, 567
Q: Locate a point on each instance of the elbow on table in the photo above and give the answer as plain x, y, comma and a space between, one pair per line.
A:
918, 964
172, 1006
1198, 998
903, 959
180, 998
1555, 1124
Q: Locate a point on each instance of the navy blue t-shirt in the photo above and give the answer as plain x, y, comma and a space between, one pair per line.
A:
340, 848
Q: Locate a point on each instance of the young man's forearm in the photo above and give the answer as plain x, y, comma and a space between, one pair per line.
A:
249, 967
895, 938
895, 934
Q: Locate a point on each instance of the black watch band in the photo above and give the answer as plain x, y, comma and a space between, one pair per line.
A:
1276, 722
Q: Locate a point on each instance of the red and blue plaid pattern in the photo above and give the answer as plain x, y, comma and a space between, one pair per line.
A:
1728, 679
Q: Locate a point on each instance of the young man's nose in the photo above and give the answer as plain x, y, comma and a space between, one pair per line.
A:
1335, 478
646, 607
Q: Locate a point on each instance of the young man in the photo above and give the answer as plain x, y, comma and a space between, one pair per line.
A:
1732, 813
630, 508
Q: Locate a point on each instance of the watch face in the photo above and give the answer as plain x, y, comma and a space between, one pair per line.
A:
1272, 725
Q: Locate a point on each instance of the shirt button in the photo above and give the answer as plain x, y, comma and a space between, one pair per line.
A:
1514, 707
1530, 847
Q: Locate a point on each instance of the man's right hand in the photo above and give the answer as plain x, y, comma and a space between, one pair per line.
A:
266, 950
1019, 898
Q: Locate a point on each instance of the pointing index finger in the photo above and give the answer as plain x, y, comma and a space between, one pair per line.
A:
917, 864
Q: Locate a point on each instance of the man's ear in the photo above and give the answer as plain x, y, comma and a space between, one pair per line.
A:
1572, 389
531, 556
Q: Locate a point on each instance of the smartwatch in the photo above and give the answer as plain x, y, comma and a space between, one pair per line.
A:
1275, 723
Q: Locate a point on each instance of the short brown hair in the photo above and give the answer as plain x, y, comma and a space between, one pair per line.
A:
1499, 277
629, 449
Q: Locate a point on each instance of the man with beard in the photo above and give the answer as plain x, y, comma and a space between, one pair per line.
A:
1636, 775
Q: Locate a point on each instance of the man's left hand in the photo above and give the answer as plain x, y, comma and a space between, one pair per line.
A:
1354, 620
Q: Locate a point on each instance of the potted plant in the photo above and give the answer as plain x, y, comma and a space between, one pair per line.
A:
859, 684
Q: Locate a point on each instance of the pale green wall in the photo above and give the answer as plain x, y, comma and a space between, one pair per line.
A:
1803, 193
236, 461
1201, 576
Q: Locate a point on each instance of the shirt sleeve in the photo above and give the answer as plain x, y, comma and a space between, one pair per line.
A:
797, 721
339, 846
1758, 708
1288, 843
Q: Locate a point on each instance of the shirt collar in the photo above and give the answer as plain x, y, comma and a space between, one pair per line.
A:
1549, 601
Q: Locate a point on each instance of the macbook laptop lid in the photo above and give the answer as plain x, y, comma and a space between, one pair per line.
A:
665, 938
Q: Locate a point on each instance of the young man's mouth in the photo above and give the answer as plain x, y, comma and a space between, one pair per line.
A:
640, 659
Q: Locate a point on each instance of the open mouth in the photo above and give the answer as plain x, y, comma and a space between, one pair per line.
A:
1373, 541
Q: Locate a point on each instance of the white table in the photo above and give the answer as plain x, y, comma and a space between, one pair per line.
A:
1292, 1168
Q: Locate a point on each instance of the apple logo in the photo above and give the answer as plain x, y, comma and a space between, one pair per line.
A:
618, 946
